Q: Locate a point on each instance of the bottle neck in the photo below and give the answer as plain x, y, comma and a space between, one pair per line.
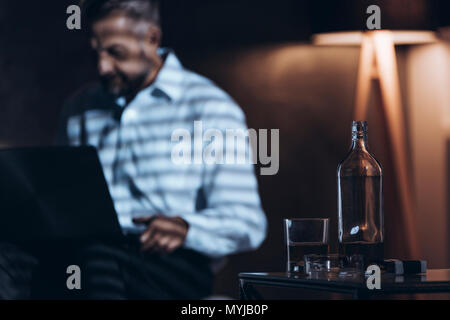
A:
359, 141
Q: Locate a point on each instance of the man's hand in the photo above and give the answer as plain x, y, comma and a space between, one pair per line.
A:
163, 234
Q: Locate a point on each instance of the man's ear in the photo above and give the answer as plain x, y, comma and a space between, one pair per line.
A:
155, 35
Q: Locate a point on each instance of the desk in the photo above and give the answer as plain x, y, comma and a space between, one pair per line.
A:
433, 281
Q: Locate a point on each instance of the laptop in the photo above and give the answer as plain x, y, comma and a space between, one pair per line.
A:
55, 194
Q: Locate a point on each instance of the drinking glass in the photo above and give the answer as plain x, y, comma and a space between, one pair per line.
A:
302, 237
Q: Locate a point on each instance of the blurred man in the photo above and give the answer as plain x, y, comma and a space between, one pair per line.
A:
186, 216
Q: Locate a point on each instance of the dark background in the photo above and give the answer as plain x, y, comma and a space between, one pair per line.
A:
258, 51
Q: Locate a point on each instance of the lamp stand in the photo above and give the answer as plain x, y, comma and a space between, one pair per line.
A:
378, 62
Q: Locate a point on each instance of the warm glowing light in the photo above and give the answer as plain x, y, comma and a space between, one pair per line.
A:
338, 38
413, 37
355, 38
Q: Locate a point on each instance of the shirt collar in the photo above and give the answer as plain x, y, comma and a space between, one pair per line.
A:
170, 77
168, 82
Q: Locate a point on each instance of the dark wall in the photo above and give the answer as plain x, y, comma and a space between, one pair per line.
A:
41, 63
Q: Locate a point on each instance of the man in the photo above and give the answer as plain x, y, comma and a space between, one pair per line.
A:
186, 217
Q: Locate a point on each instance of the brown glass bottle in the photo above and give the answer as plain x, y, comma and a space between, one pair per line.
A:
360, 200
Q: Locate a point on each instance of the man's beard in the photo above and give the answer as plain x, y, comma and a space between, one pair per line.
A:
121, 85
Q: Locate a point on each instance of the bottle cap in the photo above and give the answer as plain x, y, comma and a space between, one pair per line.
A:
359, 126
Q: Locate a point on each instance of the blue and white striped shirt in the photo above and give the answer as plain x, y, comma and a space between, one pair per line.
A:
220, 202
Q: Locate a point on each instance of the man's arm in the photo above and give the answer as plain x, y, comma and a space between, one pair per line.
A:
89, 96
233, 220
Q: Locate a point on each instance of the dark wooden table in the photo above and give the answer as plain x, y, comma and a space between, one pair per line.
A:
433, 281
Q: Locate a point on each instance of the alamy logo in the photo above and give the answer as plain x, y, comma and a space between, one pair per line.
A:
234, 146
74, 280
374, 279
374, 20
74, 20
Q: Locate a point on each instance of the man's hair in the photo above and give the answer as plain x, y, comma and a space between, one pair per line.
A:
146, 10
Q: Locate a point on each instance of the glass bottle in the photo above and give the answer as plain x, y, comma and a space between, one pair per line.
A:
360, 200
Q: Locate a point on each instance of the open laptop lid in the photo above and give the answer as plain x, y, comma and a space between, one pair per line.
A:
55, 193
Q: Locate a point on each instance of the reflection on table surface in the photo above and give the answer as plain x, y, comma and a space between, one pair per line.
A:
431, 276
